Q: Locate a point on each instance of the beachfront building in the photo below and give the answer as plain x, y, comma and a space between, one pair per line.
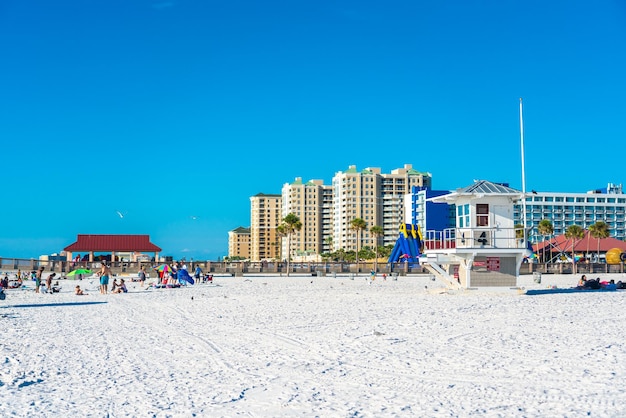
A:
376, 198
132, 245
420, 210
560, 248
582, 209
311, 202
239, 243
485, 249
265, 216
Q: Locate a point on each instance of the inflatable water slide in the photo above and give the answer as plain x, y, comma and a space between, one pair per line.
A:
409, 245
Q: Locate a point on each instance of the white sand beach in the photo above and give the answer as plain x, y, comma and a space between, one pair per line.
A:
311, 346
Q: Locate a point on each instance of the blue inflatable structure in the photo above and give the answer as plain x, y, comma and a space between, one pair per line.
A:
183, 277
409, 245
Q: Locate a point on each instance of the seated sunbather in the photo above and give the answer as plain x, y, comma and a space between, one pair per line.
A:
593, 284
79, 291
121, 288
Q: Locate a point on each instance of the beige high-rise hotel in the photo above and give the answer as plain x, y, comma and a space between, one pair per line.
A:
376, 198
265, 216
312, 203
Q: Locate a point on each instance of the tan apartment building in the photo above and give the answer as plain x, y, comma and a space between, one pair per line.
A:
376, 198
239, 243
265, 216
311, 202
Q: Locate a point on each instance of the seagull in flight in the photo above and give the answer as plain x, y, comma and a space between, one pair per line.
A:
120, 214
193, 218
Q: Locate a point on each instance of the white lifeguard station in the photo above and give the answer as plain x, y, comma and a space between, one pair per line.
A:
485, 249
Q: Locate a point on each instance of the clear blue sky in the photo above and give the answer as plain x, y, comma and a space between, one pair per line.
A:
168, 110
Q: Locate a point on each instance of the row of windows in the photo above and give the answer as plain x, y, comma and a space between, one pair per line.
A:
579, 216
579, 199
577, 208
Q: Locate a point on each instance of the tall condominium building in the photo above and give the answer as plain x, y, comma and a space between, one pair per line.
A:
311, 202
239, 243
265, 216
582, 209
376, 198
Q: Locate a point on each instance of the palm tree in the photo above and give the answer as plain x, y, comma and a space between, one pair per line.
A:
291, 223
545, 228
385, 250
281, 232
574, 232
341, 254
357, 225
377, 231
599, 230
329, 241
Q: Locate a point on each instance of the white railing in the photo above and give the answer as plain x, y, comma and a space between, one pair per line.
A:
484, 237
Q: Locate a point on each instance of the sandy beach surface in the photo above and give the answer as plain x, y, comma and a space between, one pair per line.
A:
311, 346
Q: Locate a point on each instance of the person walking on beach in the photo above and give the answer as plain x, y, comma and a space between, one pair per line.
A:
105, 273
142, 276
38, 279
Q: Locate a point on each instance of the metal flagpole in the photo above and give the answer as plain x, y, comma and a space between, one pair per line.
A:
521, 130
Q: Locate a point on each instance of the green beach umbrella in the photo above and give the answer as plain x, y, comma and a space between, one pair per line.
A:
78, 271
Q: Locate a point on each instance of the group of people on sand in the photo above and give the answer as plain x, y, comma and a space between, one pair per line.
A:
104, 275
596, 283
48, 285
116, 287
176, 274
119, 287
5, 284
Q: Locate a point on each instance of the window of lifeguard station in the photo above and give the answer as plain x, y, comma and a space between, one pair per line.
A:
463, 216
482, 214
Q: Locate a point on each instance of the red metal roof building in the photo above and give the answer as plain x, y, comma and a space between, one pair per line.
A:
587, 244
112, 243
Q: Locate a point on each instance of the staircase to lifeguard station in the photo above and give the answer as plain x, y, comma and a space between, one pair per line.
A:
435, 269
